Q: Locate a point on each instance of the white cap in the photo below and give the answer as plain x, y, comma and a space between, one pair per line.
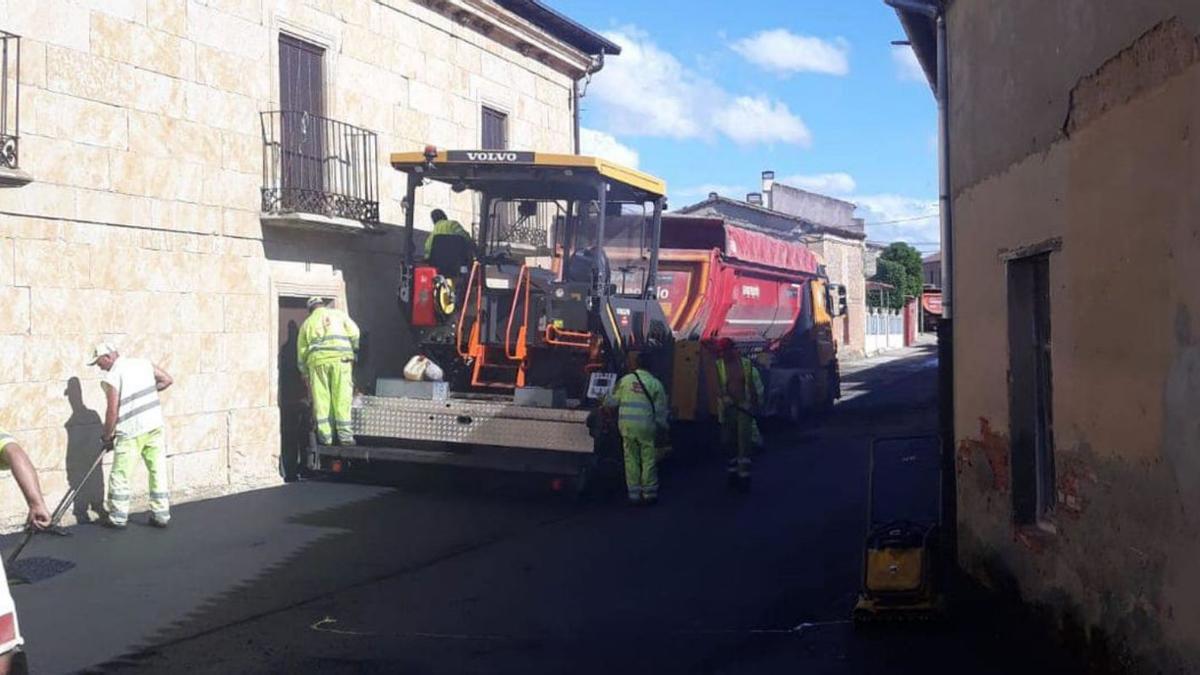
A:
314, 301
101, 349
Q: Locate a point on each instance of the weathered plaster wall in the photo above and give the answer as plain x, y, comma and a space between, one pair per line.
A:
1015, 63
1122, 191
140, 125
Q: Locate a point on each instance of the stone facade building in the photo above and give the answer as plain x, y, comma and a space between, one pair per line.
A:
931, 270
1076, 314
199, 167
836, 238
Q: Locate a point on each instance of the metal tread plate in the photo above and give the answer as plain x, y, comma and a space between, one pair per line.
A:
463, 406
473, 422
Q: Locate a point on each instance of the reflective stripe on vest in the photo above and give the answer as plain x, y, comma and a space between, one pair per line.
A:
139, 409
330, 343
636, 410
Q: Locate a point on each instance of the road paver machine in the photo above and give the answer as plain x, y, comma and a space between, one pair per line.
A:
529, 319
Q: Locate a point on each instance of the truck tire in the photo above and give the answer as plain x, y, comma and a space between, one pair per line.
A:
830, 393
794, 411
582, 484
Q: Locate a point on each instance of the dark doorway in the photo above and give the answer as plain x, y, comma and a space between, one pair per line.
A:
1030, 393
302, 101
293, 397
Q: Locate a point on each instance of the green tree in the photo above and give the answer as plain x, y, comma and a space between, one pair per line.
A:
899, 266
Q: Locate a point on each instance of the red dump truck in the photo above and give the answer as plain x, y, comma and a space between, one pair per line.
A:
764, 290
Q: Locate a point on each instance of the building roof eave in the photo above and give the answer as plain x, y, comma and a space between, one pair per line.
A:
921, 31
561, 26
807, 226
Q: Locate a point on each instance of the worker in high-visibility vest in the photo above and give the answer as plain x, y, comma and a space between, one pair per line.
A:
443, 226
641, 403
133, 426
741, 390
13, 458
325, 351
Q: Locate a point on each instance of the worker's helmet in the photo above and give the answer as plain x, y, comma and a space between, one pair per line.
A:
315, 301
725, 345
100, 350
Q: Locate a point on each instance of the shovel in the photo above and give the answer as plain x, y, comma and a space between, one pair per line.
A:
59, 512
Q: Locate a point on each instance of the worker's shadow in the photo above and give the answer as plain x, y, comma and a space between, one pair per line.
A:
83, 443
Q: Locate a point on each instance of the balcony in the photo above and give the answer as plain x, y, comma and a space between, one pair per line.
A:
11, 174
319, 173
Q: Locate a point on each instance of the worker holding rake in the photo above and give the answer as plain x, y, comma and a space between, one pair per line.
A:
13, 457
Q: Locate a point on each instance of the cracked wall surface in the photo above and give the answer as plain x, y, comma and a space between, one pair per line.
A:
1110, 168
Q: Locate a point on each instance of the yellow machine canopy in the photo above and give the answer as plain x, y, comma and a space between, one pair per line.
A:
530, 175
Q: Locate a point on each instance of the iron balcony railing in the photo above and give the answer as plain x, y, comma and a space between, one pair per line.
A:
10, 99
315, 165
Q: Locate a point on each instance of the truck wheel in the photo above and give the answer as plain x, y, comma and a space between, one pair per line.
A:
831, 390
795, 403
582, 484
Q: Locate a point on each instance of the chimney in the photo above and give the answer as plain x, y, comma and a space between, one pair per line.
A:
754, 198
768, 182
712, 195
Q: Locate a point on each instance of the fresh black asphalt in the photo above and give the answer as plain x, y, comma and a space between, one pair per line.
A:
438, 571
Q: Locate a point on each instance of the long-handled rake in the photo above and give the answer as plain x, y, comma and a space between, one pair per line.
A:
59, 511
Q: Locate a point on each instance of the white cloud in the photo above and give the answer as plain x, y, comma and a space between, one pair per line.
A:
647, 91
908, 68
892, 217
823, 183
760, 120
781, 51
600, 144
695, 193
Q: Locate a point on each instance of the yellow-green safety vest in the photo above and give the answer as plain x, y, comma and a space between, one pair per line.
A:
442, 227
636, 418
754, 384
327, 335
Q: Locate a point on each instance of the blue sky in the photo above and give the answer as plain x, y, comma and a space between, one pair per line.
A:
707, 94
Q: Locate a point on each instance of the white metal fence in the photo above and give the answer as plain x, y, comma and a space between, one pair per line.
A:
885, 330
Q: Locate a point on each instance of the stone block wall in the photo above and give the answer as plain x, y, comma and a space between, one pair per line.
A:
140, 124
843, 260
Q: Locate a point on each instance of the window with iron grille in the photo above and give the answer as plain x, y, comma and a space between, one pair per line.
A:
10, 99
313, 164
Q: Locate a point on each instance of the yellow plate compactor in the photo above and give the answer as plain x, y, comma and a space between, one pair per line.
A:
901, 578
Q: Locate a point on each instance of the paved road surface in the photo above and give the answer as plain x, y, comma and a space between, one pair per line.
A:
479, 573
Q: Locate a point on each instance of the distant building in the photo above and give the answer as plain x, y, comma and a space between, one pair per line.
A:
830, 230
811, 206
931, 267
1076, 314
871, 258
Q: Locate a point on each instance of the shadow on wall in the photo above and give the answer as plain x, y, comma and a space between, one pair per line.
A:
292, 406
83, 442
